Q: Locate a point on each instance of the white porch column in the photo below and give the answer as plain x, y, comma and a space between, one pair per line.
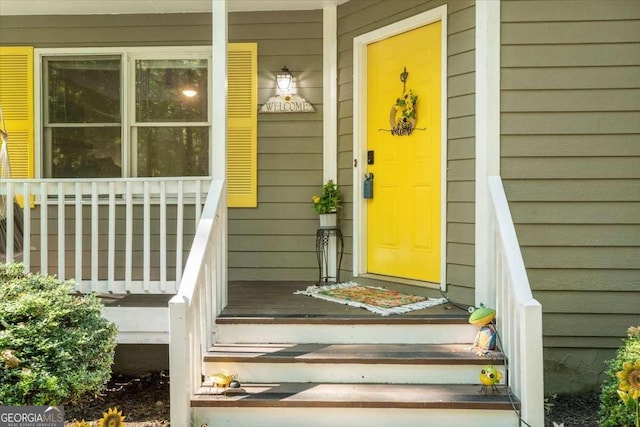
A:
218, 93
487, 142
330, 109
330, 93
218, 99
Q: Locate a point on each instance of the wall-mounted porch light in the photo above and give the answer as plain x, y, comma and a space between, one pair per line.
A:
285, 101
284, 79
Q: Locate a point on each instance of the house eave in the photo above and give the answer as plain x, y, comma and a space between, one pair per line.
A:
118, 7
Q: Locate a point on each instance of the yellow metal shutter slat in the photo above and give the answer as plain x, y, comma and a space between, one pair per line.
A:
242, 135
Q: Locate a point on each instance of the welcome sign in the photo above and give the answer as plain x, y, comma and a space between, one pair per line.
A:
289, 103
31, 416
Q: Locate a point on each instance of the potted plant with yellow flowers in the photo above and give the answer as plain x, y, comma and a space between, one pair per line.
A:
327, 203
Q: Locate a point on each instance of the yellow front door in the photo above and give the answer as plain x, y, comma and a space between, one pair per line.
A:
403, 217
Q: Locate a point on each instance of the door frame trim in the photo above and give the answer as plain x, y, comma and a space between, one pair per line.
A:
360, 44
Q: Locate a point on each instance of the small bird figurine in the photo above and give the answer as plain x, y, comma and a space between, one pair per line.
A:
229, 384
490, 376
221, 380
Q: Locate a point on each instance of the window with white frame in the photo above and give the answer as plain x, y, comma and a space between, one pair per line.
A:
82, 131
128, 113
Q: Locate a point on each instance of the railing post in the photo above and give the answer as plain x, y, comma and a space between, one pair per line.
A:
180, 387
146, 236
26, 235
61, 233
111, 255
95, 235
532, 363
179, 231
78, 228
163, 237
128, 269
10, 224
222, 291
44, 228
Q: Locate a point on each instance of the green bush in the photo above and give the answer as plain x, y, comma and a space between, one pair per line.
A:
613, 411
55, 347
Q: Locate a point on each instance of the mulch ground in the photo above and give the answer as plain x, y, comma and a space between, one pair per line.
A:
144, 402
574, 410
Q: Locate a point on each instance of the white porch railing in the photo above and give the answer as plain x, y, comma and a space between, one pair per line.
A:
200, 298
519, 314
109, 235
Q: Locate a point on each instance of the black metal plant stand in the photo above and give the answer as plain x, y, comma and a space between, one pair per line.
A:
323, 235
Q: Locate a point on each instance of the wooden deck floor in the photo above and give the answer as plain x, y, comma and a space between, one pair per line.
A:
308, 395
277, 299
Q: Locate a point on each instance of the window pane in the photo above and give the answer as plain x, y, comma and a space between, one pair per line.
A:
83, 90
162, 90
175, 151
85, 152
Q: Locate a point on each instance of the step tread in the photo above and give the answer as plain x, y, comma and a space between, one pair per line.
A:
356, 395
405, 319
352, 353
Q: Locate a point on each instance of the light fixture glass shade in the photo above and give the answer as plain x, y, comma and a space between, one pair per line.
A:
189, 92
283, 79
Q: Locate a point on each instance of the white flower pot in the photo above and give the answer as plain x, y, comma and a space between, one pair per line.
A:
329, 220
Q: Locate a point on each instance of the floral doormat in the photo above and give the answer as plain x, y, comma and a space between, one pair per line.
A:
378, 300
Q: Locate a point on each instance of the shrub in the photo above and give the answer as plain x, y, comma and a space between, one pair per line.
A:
613, 411
55, 347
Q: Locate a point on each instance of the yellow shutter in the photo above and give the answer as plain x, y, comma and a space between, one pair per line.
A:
16, 99
242, 133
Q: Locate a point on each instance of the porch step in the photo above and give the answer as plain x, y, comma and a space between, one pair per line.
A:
378, 405
453, 329
350, 363
318, 371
